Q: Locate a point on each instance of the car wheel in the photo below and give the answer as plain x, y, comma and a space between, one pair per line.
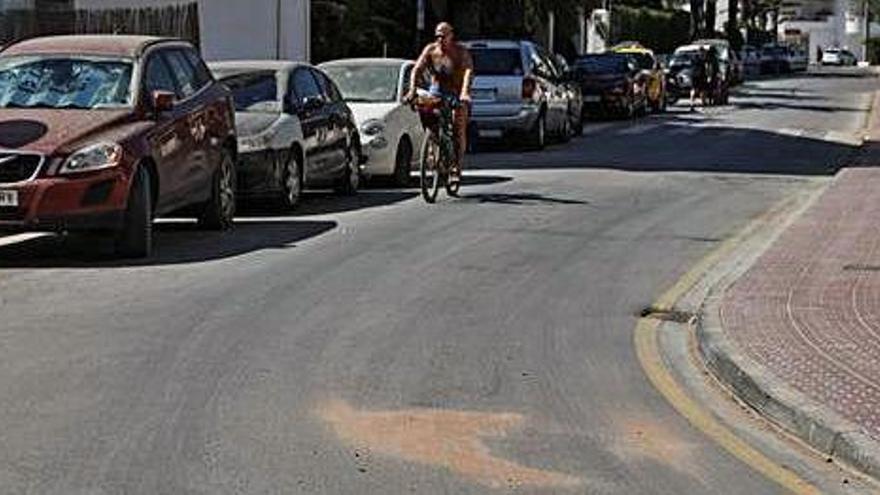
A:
135, 239
291, 182
565, 132
538, 135
350, 181
403, 163
219, 211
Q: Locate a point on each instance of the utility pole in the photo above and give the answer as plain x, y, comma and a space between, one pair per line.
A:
420, 24
552, 30
277, 29
867, 14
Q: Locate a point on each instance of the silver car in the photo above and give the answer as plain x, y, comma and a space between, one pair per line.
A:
517, 91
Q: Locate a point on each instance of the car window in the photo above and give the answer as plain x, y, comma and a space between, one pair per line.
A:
643, 61
365, 83
158, 75
183, 73
203, 75
55, 81
302, 86
407, 76
497, 62
254, 92
328, 89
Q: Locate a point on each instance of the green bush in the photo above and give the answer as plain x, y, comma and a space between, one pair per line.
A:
659, 30
874, 51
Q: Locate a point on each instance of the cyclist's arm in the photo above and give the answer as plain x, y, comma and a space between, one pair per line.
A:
419, 70
467, 63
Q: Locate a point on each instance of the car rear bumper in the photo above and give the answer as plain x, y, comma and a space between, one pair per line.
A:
493, 125
92, 201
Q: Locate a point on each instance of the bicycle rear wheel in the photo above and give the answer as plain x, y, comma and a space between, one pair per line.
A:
429, 168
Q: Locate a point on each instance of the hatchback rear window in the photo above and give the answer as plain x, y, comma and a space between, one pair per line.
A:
253, 92
497, 62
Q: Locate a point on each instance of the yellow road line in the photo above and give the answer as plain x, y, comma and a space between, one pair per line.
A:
652, 363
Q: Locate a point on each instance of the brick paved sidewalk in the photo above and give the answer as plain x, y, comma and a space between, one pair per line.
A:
809, 310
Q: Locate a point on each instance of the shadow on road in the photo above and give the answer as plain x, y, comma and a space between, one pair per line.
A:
681, 141
175, 243
519, 199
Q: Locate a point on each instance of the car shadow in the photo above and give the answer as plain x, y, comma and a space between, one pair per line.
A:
326, 203
518, 199
175, 242
686, 142
467, 180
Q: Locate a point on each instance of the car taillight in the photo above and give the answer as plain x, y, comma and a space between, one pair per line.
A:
528, 88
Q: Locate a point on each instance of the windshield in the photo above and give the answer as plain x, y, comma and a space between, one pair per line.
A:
64, 82
497, 61
684, 59
254, 92
603, 64
366, 83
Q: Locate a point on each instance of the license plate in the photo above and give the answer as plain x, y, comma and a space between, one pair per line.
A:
592, 99
491, 133
8, 198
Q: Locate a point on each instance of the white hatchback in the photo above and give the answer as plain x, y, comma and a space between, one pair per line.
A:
391, 131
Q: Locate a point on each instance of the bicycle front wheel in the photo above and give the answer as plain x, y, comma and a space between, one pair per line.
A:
429, 169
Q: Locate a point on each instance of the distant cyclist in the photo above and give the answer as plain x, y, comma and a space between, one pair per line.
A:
451, 68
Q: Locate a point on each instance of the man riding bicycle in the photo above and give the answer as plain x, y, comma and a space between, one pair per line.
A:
451, 68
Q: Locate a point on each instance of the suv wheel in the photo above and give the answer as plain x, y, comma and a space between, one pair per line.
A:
403, 164
538, 135
219, 211
135, 239
350, 181
291, 182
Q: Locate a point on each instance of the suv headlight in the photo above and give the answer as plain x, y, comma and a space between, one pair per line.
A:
373, 127
95, 157
250, 144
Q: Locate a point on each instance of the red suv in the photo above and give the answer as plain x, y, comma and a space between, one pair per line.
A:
103, 133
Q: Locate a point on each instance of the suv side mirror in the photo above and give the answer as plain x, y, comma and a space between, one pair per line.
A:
163, 101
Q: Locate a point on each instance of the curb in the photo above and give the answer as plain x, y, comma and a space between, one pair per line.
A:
813, 423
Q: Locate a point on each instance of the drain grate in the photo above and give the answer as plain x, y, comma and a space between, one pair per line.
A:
661, 314
861, 268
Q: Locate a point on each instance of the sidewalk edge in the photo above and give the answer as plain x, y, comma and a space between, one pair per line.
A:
817, 425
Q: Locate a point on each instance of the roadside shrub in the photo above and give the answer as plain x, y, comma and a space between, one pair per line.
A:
660, 30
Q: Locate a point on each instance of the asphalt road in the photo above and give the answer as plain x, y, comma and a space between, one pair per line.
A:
382, 345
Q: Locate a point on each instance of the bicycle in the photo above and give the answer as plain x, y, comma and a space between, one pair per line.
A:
440, 147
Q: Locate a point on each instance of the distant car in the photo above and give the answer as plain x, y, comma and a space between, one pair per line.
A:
391, 132
774, 59
838, 56
798, 61
517, 92
751, 61
680, 73
610, 84
105, 133
650, 71
295, 130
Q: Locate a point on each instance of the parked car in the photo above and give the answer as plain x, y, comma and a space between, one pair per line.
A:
574, 96
390, 131
680, 74
650, 71
751, 61
104, 133
798, 61
774, 59
610, 84
838, 56
517, 92
295, 131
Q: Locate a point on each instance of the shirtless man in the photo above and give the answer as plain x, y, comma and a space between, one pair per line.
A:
451, 68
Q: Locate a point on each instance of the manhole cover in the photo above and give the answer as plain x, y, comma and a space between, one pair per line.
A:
661, 314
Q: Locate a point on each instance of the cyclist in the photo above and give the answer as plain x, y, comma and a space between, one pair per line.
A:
451, 68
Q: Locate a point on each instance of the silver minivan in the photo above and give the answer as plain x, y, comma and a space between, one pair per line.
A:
517, 91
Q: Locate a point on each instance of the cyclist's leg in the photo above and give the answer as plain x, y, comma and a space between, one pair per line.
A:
460, 124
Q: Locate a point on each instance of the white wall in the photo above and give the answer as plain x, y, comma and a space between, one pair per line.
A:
240, 29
